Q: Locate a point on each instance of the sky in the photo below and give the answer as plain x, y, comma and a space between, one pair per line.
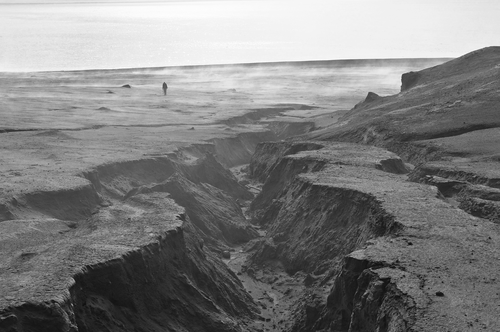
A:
181, 32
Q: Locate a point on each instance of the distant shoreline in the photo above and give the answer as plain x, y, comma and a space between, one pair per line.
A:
305, 63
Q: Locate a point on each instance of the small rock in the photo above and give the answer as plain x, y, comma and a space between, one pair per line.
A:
226, 254
126, 86
439, 293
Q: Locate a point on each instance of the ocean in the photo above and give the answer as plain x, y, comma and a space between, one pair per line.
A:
102, 35
111, 34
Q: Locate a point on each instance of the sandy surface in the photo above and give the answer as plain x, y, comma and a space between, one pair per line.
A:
98, 121
196, 95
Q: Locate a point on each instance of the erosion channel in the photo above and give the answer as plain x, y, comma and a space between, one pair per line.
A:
143, 244
283, 217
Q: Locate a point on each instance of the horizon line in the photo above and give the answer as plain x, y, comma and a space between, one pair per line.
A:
243, 64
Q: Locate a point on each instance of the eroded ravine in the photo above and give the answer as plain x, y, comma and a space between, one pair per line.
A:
145, 256
340, 240
151, 235
395, 251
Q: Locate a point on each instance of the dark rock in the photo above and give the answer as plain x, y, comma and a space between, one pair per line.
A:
372, 96
439, 293
226, 254
409, 80
126, 86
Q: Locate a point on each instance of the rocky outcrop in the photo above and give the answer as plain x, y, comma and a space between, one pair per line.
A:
409, 80
370, 98
395, 251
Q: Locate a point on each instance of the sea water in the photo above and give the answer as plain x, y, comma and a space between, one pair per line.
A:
101, 34
97, 35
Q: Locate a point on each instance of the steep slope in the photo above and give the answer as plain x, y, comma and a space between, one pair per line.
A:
124, 251
454, 98
400, 258
448, 116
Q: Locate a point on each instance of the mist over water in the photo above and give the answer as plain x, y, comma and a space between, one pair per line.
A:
110, 34
145, 34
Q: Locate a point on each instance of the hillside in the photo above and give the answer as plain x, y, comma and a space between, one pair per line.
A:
445, 120
456, 98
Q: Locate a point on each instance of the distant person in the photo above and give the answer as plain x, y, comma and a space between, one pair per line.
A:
165, 87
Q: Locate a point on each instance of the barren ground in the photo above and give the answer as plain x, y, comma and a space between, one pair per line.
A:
57, 125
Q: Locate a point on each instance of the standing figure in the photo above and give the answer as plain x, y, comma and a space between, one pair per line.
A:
165, 87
